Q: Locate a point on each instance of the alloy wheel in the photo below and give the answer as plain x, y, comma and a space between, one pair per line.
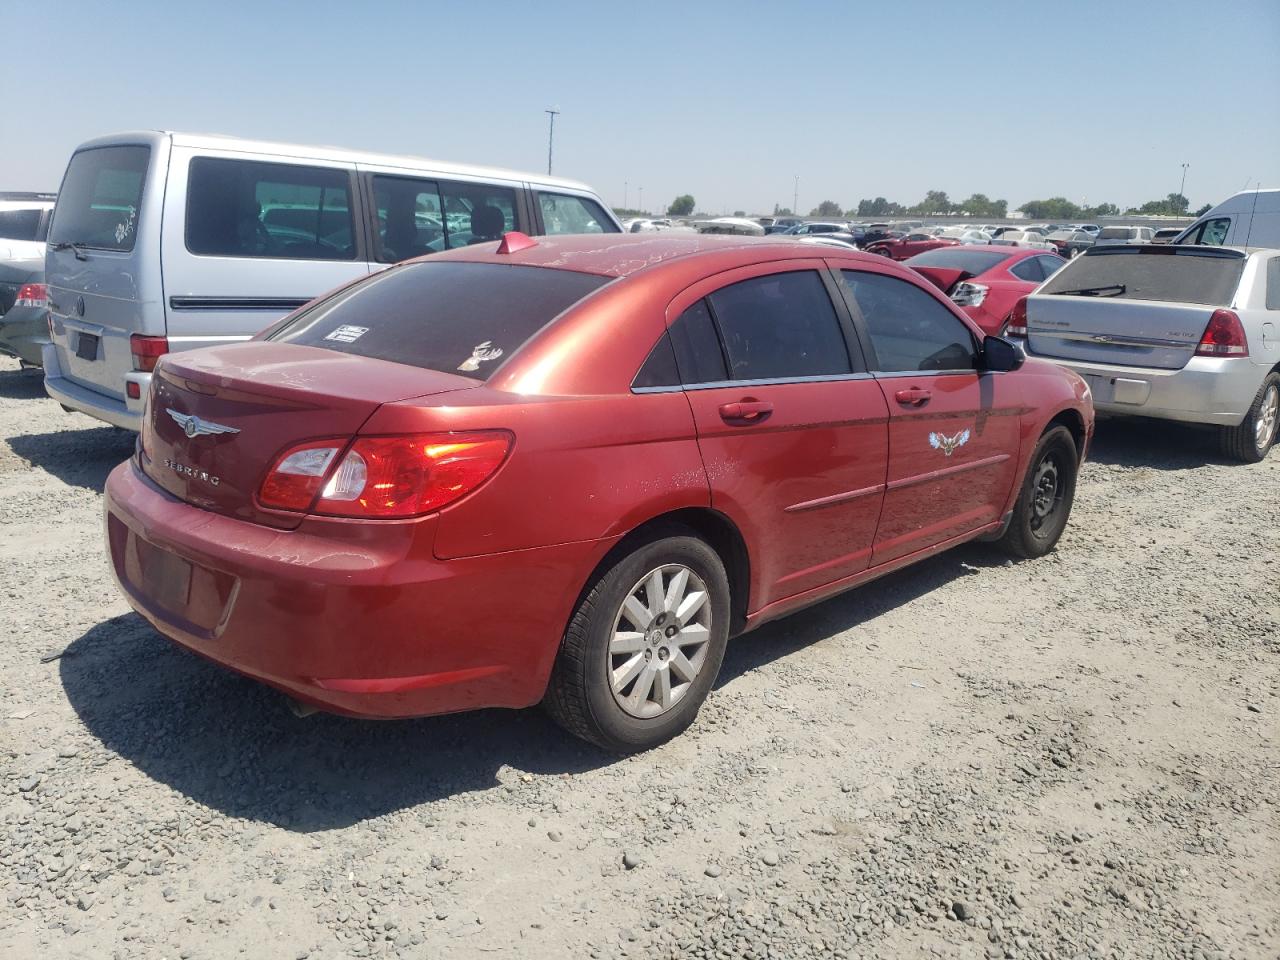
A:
660, 640
1264, 426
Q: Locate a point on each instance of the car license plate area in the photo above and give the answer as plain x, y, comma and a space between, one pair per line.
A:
87, 346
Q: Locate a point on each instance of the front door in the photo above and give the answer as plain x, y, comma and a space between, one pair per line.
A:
791, 428
953, 430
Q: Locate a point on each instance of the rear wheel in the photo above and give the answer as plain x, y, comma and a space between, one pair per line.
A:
644, 646
1044, 503
1253, 438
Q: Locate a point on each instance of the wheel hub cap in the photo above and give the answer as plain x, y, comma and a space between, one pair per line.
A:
1264, 427
1046, 492
660, 639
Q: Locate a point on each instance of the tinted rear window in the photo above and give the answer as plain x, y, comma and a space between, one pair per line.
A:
462, 318
1117, 233
100, 198
1177, 274
19, 224
970, 261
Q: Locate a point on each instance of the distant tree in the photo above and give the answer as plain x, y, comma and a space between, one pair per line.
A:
827, 208
1055, 208
782, 211
1101, 210
624, 213
1173, 205
879, 207
980, 205
934, 202
1203, 210
681, 206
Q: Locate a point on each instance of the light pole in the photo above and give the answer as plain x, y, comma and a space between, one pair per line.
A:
551, 134
624, 194
1183, 187
640, 202
795, 198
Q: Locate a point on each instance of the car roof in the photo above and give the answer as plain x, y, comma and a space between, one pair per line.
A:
336, 154
627, 254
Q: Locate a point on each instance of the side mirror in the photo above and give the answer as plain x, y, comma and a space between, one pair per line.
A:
1000, 355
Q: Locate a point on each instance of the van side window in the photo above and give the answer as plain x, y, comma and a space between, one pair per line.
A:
476, 213
1211, 233
244, 208
410, 221
562, 213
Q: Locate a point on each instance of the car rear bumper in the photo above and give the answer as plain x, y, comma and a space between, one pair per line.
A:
1213, 390
354, 617
23, 333
118, 411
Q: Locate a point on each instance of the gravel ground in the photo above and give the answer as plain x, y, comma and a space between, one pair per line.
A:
1071, 757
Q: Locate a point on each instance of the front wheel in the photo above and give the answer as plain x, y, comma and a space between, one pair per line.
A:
1252, 440
1044, 503
644, 646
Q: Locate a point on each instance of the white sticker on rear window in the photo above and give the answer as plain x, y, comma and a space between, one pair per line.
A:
347, 333
479, 354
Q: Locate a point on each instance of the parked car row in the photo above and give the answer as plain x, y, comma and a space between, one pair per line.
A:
591, 461
24, 224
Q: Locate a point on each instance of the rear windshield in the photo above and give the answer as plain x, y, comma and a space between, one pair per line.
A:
100, 198
454, 317
1117, 233
20, 224
1176, 274
970, 261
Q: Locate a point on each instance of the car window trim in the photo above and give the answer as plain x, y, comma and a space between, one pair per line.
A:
759, 382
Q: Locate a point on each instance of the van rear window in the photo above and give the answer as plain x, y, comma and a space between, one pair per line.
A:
100, 198
453, 317
1174, 274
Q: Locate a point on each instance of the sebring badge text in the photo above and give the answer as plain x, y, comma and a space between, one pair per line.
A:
192, 472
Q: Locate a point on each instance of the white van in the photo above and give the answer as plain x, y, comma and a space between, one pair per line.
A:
1249, 219
166, 241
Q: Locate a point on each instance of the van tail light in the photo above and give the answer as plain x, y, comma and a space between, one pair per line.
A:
968, 294
384, 477
1015, 325
32, 295
1223, 337
146, 351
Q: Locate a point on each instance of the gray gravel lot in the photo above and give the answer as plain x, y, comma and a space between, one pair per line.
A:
1071, 757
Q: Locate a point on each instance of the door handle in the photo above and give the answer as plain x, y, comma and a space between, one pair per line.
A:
913, 397
745, 411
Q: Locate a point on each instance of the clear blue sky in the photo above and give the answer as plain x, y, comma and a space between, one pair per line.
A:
1097, 101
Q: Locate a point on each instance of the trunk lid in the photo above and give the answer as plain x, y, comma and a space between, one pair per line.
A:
253, 400
944, 278
1134, 306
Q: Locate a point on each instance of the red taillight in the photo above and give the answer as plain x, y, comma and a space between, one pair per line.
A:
32, 295
146, 351
1223, 337
384, 477
1015, 325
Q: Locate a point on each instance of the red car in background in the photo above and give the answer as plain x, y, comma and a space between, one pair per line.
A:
913, 243
986, 282
567, 470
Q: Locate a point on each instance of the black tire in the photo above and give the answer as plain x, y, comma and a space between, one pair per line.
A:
1241, 442
580, 696
1044, 503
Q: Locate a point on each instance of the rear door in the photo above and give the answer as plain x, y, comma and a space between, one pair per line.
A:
791, 428
953, 430
109, 207
248, 238
1133, 307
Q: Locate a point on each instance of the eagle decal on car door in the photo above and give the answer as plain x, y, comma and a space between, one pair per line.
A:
948, 445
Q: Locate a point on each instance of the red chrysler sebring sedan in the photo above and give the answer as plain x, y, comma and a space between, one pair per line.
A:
987, 282
568, 470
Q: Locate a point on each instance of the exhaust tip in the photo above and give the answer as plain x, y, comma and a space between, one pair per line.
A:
299, 709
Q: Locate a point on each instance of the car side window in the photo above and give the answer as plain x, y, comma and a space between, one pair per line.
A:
476, 213
659, 368
562, 213
699, 356
781, 325
410, 222
1273, 283
1051, 265
909, 329
1028, 269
